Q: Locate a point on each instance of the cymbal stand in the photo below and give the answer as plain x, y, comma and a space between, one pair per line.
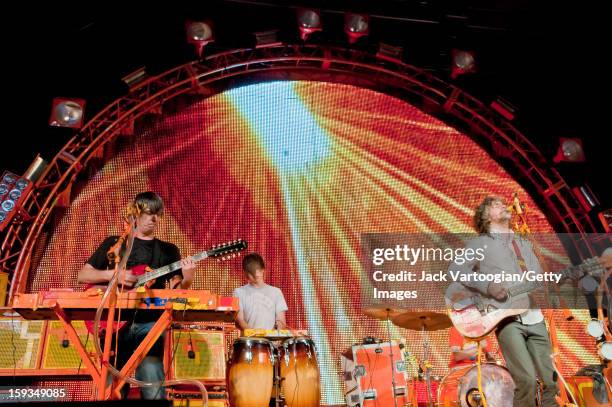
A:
391, 356
426, 366
278, 402
410, 379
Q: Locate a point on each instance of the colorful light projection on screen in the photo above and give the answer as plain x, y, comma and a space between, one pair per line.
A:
299, 170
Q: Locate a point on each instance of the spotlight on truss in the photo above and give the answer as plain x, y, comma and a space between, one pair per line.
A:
266, 38
356, 26
390, 52
462, 62
309, 21
66, 112
199, 33
570, 149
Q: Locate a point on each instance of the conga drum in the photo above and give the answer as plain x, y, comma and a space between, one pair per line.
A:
250, 373
299, 371
459, 388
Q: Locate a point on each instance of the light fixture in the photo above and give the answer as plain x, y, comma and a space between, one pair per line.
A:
66, 112
605, 217
570, 149
389, 52
136, 77
309, 21
586, 197
504, 108
199, 33
356, 26
36, 169
266, 39
12, 189
462, 62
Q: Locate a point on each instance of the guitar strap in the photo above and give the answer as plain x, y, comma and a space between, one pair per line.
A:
519, 257
156, 257
522, 265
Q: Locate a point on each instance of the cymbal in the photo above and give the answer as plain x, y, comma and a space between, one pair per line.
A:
416, 320
383, 312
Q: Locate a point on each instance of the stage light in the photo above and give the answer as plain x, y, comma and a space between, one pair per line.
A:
356, 26
570, 149
462, 62
199, 33
12, 189
586, 197
309, 21
266, 39
67, 112
389, 52
136, 77
504, 108
606, 219
36, 169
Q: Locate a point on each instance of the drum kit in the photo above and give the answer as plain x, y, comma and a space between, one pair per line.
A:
264, 367
459, 388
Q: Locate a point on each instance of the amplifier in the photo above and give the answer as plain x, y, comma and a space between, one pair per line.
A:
197, 354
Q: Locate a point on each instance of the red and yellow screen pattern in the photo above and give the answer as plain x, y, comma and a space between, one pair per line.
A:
299, 170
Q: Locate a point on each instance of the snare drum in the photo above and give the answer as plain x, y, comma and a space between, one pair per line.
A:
459, 388
251, 367
299, 371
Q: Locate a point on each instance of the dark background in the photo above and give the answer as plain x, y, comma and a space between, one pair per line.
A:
544, 58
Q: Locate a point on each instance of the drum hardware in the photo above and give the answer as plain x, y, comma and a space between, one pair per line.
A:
299, 376
459, 388
370, 340
278, 401
424, 321
474, 398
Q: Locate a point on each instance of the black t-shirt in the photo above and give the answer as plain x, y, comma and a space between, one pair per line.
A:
154, 253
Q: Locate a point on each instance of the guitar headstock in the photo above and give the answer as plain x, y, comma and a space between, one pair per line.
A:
229, 250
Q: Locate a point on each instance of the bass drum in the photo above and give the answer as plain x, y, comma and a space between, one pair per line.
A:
250, 373
459, 388
299, 371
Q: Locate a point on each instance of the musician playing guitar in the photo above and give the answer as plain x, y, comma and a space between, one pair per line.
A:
523, 339
148, 209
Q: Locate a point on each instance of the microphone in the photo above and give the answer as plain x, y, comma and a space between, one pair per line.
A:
190, 352
517, 205
113, 251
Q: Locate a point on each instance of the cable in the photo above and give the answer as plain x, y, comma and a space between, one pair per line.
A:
484, 399
14, 348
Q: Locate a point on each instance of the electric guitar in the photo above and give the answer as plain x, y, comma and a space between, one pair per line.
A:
146, 275
475, 315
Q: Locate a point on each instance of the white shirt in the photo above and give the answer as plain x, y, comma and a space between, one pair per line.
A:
260, 306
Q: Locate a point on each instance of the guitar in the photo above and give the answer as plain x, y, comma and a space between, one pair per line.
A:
146, 275
475, 315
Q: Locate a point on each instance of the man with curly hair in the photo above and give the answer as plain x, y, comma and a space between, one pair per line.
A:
523, 339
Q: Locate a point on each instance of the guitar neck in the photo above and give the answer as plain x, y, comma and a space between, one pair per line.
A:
162, 271
588, 267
